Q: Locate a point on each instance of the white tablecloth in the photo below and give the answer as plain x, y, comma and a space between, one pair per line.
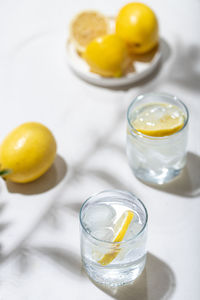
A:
39, 225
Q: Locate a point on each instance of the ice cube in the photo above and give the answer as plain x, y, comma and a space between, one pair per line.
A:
174, 112
104, 234
133, 229
150, 114
156, 112
99, 216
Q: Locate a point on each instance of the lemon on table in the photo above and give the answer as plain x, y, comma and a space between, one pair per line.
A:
27, 152
120, 230
159, 119
107, 56
137, 25
87, 26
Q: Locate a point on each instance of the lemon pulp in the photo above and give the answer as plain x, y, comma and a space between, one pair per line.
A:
120, 230
158, 119
87, 26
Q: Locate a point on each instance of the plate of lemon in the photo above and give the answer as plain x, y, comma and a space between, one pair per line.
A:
114, 51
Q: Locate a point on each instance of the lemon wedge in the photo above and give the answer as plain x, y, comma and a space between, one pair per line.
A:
159, 119
120, 230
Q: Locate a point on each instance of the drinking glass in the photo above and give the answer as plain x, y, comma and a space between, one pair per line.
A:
105, 260
156, 159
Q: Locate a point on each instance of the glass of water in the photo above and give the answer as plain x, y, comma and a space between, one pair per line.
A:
113, 231
157, 137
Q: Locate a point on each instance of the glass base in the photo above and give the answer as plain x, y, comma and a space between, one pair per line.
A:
150, 176
110, 276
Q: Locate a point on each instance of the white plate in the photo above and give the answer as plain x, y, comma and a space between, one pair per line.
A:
81, 68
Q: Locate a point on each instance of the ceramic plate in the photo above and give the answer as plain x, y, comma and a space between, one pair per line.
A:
81, 68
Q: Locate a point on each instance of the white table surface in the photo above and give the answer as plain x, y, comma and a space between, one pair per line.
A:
39, 226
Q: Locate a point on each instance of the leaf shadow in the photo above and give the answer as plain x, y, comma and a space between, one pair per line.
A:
184, 68
3, 225
105, 176
75, 206
156, 282
2, 206
21, 246
24, 259
49, 180
65, 259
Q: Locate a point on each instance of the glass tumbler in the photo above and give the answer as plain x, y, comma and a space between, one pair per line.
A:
113, 253
155, 159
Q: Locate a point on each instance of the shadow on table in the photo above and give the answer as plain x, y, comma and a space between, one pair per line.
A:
155, 283
62, 258
101, 175
184, 71
46, 182
165, 54
188, 182
3, 225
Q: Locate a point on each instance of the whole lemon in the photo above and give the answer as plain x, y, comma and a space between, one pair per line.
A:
137, 25
107, 55
28, 151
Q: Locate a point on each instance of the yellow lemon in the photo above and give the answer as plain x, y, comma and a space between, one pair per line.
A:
87, 26
27, 152
137, 25
107, 56
120, 230
159, 119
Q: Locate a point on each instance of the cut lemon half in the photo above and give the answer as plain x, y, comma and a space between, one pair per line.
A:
87, 26
120, 230
159, 120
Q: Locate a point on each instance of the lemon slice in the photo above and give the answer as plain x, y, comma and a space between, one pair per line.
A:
159, 120
87, 26
120, 230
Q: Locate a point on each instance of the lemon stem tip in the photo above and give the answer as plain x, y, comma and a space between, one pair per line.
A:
5, 172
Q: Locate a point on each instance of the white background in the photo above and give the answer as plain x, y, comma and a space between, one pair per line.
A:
39, 226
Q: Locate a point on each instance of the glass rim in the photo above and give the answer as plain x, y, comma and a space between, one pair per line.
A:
114, 191
138, 134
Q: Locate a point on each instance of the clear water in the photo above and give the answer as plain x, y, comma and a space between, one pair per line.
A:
156, 160
99, 220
